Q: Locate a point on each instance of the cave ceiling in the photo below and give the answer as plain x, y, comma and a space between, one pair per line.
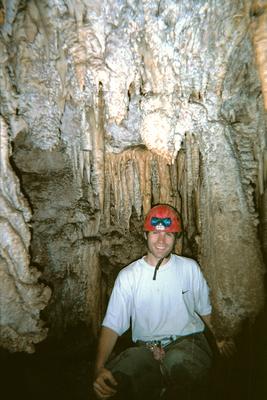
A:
107, 107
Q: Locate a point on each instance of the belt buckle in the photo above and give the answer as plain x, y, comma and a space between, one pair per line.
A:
157, 349
153, 344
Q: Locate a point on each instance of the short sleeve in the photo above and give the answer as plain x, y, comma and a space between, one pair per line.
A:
118, 312
201, 293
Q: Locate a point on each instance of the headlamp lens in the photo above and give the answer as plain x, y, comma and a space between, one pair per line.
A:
166, 222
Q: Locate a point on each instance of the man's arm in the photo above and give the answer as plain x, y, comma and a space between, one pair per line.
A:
225, 346
104, 380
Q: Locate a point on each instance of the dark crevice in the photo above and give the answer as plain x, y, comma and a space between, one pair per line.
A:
20, 178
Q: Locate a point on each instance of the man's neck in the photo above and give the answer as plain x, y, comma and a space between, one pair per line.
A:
152, 260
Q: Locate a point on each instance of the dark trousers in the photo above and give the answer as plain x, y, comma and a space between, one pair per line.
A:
182, 373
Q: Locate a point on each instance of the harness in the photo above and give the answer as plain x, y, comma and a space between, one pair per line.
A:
162, 343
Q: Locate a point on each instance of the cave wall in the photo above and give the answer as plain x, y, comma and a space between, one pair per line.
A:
106, 108
22, 297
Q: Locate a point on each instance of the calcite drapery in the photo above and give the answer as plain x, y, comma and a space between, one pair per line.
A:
114, 105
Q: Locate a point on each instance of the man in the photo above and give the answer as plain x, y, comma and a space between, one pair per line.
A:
165, 299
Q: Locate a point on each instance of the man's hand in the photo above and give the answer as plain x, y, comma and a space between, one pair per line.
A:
104, 384
226, 347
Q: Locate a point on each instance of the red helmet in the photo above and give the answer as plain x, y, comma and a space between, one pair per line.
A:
163, 218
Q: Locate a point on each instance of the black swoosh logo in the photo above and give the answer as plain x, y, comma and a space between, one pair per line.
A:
184, 291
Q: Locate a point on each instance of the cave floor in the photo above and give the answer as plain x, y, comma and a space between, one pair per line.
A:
57, 372
46, 376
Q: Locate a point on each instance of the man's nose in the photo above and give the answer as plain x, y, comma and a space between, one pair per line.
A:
162, 237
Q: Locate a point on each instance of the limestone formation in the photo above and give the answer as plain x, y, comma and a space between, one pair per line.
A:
108, 107
22, 297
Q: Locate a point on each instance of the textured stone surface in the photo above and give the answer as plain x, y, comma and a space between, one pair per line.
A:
22, 297
112, 106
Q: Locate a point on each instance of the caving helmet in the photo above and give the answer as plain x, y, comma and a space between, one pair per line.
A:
163, 218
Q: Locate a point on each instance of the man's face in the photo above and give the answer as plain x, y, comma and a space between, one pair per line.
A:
160, 244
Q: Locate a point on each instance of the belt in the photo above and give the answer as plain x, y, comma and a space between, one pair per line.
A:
163, 342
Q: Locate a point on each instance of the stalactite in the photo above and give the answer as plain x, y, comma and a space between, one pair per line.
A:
86, 147
164, 183
130, 182
192, 183
107, 194
259, 10
182, 185
121, 195
78, 48
139, 177
187, 194
99, 143
146, 177
97, 134
111, 183
116, 91
155, 181
175, 192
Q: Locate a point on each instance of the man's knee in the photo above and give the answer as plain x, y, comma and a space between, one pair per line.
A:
131, 360
136, 363
181, 365
137, 373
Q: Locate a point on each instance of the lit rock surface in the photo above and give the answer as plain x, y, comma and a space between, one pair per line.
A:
22, 297
113, 106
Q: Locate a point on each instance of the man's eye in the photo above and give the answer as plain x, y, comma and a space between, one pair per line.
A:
169, 234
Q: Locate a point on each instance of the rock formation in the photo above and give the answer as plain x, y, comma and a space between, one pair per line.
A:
108, 107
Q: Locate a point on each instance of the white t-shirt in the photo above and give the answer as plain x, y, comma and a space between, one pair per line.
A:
169, 305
